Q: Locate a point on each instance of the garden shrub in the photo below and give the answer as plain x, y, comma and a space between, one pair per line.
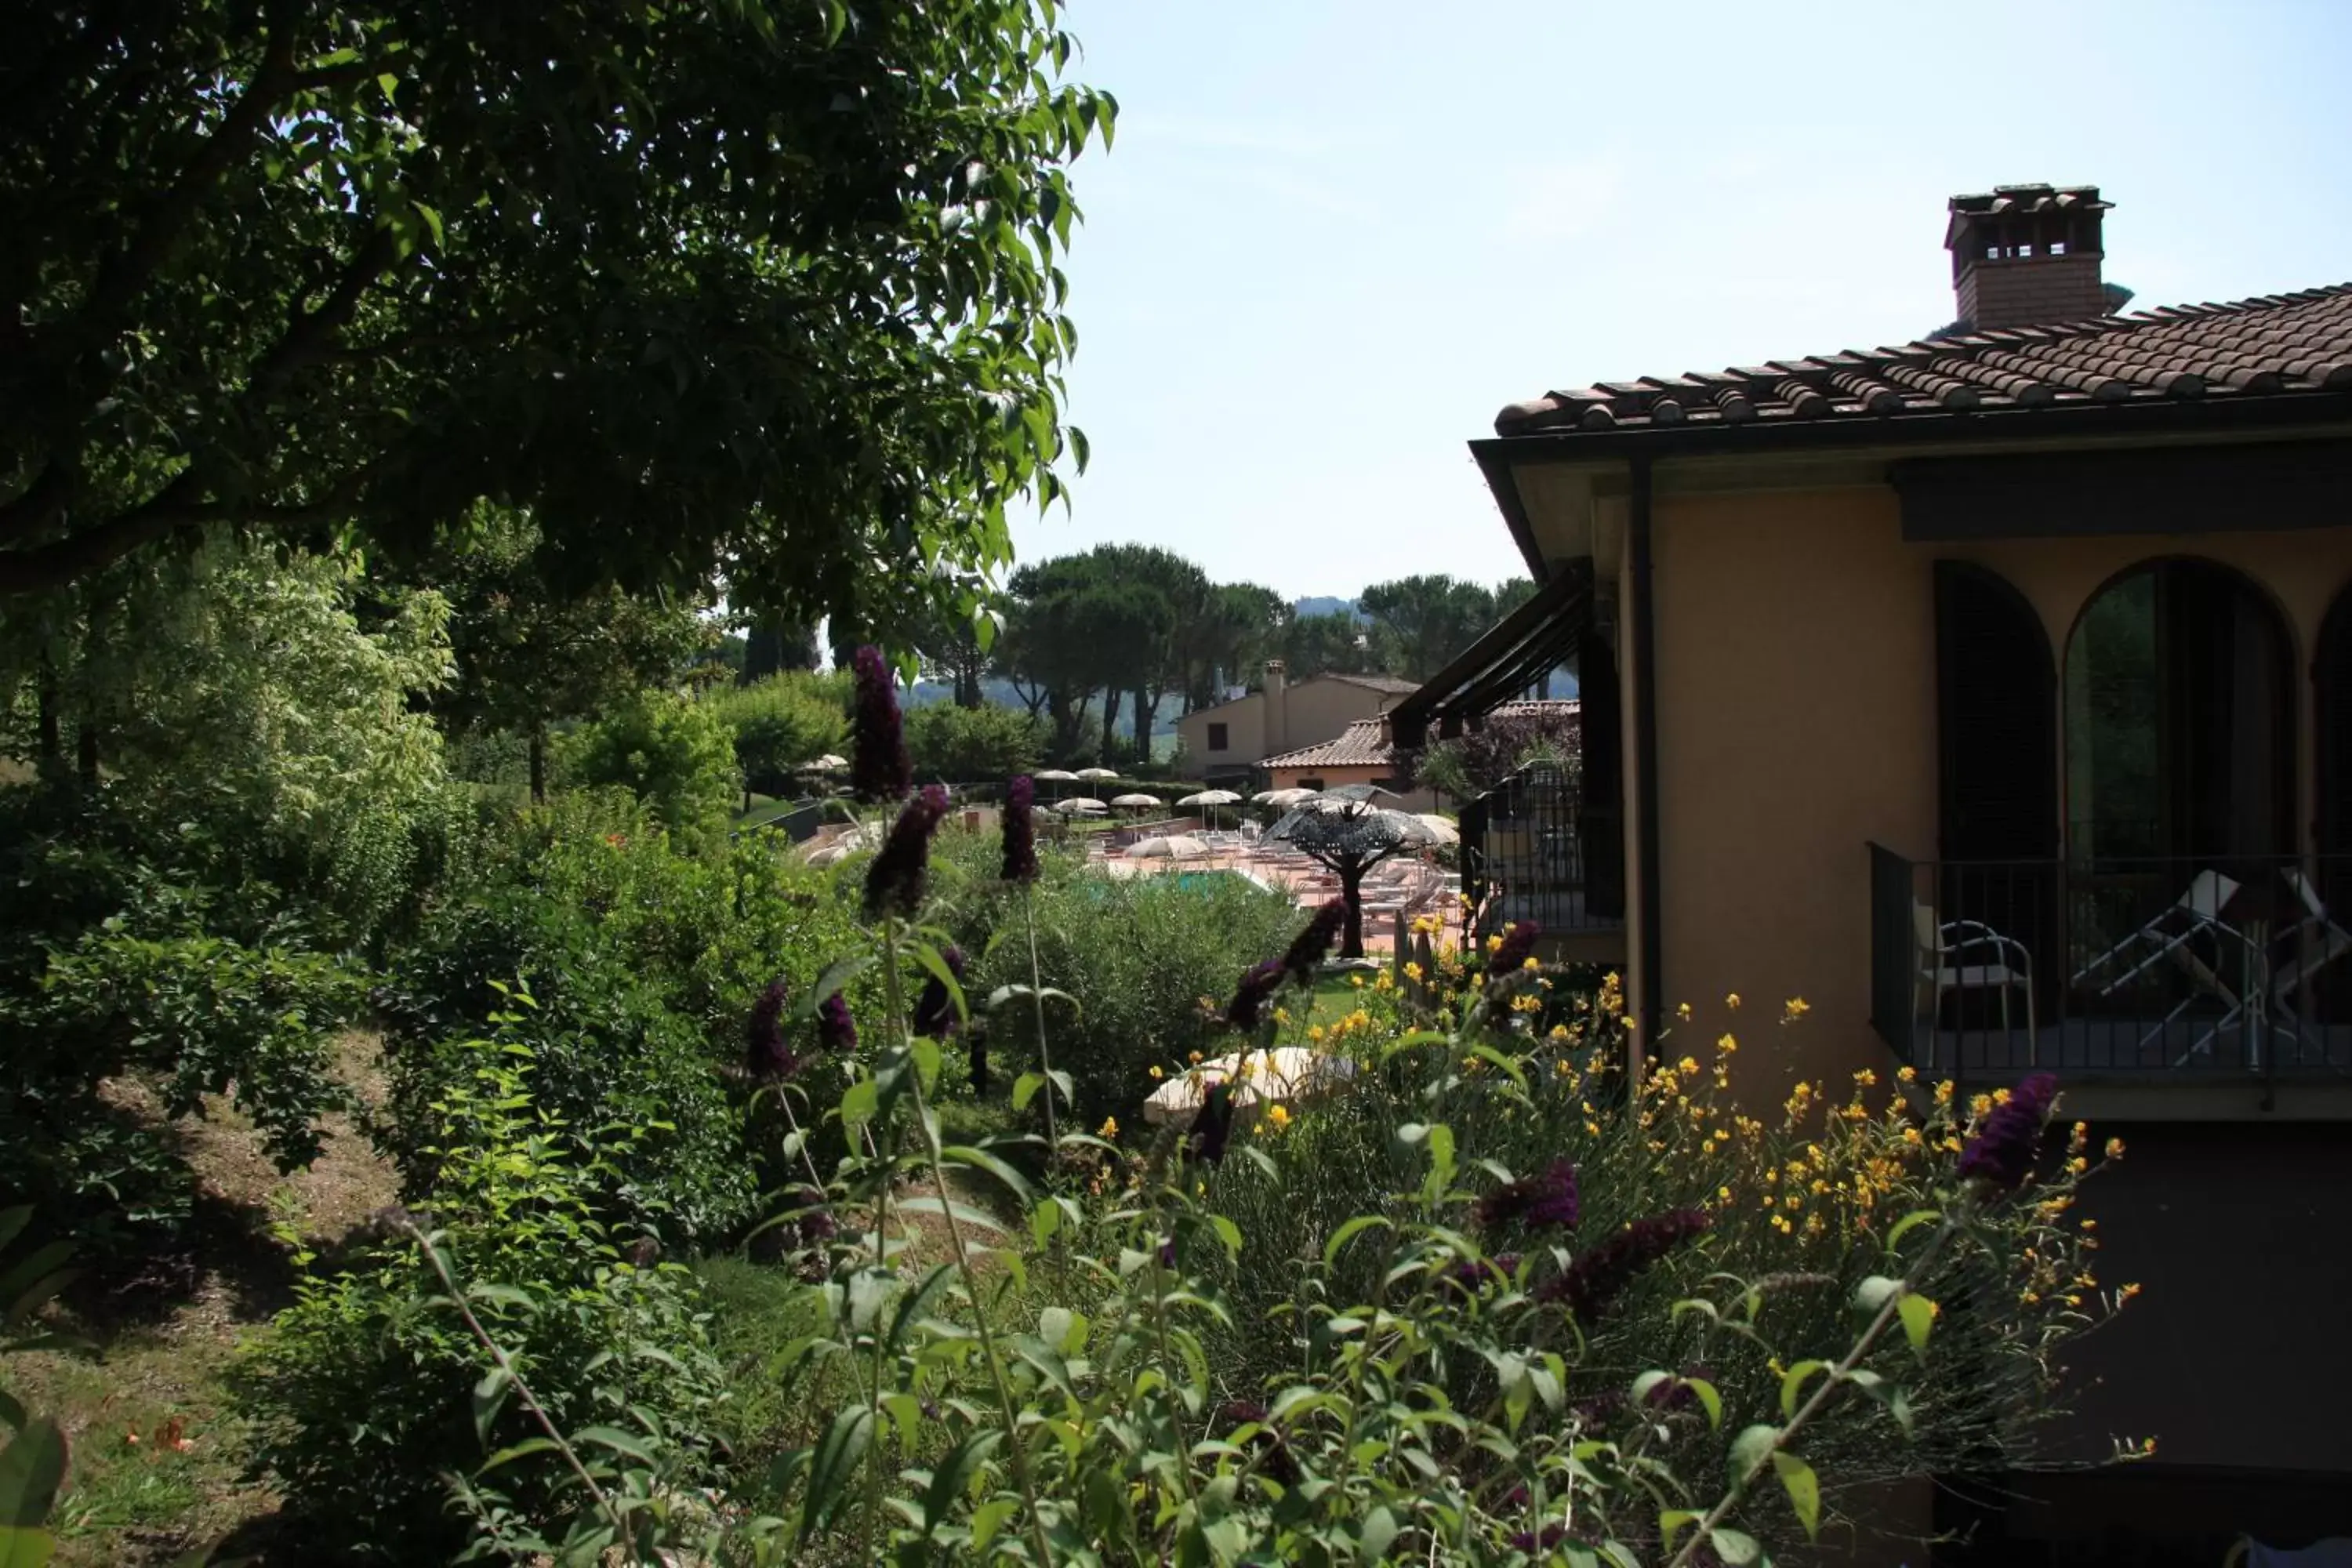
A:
779, 723
673, 753
1136, 958
360, 1390
643, 961
964, 745
189, 1015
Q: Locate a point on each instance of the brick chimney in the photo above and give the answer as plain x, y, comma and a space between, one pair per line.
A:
2027, 255
1277, 725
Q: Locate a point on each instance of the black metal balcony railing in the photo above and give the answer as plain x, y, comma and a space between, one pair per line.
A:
1532, 850
2154, 967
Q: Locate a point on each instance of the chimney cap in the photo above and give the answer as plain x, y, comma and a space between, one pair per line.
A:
2018, 201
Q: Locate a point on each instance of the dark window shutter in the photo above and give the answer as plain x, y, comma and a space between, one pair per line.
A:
1997, 720
2331, 673
1600, 740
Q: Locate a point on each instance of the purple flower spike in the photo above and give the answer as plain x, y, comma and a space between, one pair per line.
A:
1214, 1125
880, 768
1258, 983
1550, 1198
1588, 1286
895, 882
935, 1012
1019, 831
1309, 949
1518, 946
2001, 1153
765, 1055
836, 1031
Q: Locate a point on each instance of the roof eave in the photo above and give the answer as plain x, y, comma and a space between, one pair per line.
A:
1496, 454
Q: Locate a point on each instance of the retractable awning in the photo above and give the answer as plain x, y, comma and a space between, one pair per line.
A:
1508, 658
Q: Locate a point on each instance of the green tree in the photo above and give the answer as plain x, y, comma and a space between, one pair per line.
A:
1244, 628
674, 754
782, 723
775, 643
1424, 621
775, 287
1329, 645
964, 745
533, 653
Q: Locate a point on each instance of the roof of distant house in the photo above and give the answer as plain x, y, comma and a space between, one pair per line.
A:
1394, 683
2296, 344
1360, 745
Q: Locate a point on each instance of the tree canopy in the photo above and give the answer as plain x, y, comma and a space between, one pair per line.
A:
745, 289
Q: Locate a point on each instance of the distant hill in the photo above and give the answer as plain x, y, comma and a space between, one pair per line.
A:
1325, 604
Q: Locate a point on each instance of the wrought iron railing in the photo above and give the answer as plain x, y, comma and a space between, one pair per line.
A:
1531, 849
2147, 966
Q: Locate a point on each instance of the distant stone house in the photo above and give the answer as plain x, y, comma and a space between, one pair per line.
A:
1234, 738
1360, 755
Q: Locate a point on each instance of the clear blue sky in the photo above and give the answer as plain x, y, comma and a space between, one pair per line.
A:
1334, 238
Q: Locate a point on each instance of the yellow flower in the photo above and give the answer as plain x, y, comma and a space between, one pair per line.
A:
1684, 1012
1279, 1114
1732, 1001
1559, 1032
1109, 1128
2125, 1293
1907, 1075
1282, 1015
1723, 1194
1532, 965
1795, 1007
1944, 1093
1156, 1073
1196, 1058
1866, 1079
1357, 981
2115, 1148
1728, 1044
1315, 1032
1494, 942
1413, 973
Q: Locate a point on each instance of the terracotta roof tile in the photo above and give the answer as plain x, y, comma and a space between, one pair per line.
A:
1359, 745
2271, 345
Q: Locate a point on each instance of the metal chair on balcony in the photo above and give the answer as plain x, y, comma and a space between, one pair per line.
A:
1942, 966
2195, 913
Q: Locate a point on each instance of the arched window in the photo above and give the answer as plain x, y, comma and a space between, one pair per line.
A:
2179, 719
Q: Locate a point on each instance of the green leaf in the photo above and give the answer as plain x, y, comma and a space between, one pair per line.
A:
1014, 1181
837, 974
1349, 1232
1045, 1220
952, 1480
837, 1454
1671, 1523
1907, 1223
1378, 1534
1792, 1385
514, 1451
626, 1442
1747, 1450
1804, 1490
1919, 1317
1735, 1547
1026, 1087
964, 1213
859, 1102
1873, 1292
489, 1397
926, 1052
25, 1548
12, 1415
32, 1468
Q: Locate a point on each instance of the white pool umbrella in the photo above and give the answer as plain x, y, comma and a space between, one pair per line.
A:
1210, 797
1282, 797
1096, 773
1168, 847
1442, 831
1135, 802
1081, 803
1286, 1073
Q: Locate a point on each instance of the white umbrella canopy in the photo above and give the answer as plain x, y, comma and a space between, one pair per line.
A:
1080, 802
1282, 796
1441, 830
1095, 774
829, 764
1168, 847
1135, 800
1210, 797
1056, 775
1288, 1073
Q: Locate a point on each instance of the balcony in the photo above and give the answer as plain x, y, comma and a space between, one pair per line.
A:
1533, 851
2165, 970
